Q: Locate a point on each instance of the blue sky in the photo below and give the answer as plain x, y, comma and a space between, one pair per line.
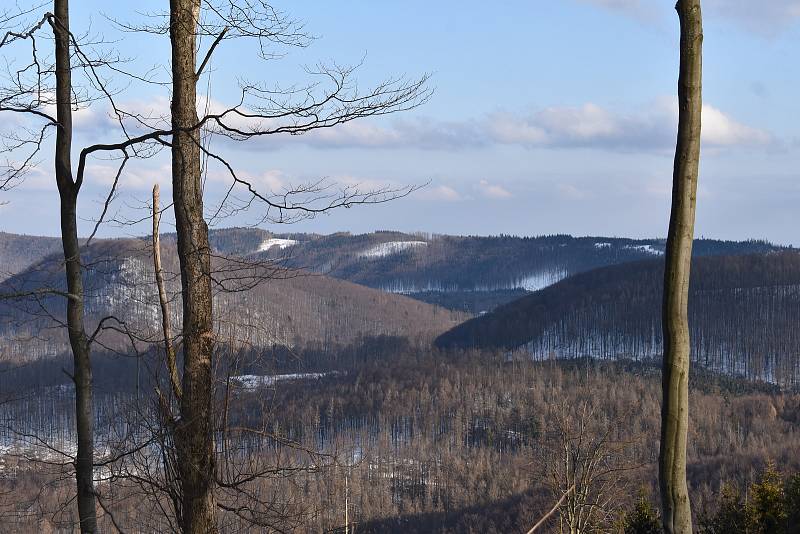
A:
547, 117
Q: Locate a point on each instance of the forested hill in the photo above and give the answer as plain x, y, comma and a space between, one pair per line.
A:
18, 252
408, 263
465, 273
258, 304
743, 314
412, 263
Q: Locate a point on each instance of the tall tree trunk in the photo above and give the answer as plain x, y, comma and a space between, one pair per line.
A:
676, 508
79, 342
194, 434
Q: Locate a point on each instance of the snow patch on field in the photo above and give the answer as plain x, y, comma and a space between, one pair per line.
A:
389, 248
276, 242
602, 245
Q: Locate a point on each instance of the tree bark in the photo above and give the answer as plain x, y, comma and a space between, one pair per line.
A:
676, 508
194, 433
68, 192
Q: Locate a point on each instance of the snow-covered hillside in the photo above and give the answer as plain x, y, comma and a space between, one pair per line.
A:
390, 248
276, 242
649, 249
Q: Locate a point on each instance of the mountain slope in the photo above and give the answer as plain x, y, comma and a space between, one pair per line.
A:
257, 304
403, 262
413, 263
743, 313
465, 273
18, 252
468, 273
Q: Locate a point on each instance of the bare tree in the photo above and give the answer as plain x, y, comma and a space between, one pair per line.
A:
43, 82
585, 465
194, 436
68, 189
261, 111
13, 100
676, 508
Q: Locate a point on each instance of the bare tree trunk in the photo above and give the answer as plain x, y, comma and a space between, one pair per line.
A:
194, 434
676, 508
166, 327
68, 191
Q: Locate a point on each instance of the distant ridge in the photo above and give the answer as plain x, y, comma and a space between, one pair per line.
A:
465, 273
259, 304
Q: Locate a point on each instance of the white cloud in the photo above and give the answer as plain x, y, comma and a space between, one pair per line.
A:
133, 176
587, 122
586, 126
154, 111
38, 178
509, 129
85, 118
423, 133
360, 134
492, 190
272, 180
720, 129
268, 182
589, 125
440, 192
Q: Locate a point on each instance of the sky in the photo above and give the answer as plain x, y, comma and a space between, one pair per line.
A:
546, 117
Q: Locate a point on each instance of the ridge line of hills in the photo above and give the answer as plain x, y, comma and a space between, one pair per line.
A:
548, 296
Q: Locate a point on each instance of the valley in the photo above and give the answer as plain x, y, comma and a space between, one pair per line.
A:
432, 404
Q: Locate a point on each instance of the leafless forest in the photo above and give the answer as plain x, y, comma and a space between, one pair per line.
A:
194, 375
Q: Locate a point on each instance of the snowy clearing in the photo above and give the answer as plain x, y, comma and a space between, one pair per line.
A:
389, 248
540, 280
645, 248
258, 381
528, 282
276, 242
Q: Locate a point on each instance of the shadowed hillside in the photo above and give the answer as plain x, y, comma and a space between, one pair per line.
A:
18, 252
743, 314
